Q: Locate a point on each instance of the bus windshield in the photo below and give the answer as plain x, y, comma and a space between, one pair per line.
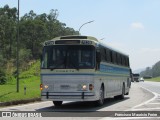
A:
68, 57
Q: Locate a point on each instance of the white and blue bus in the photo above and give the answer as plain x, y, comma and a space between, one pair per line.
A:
81, 68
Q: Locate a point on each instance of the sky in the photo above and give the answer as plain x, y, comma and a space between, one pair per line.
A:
131, 26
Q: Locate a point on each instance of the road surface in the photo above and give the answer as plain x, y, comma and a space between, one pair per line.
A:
143, 96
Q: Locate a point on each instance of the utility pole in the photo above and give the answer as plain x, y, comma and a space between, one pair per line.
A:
18, 50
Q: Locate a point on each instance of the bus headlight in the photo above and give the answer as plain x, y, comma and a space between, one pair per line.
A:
46, 86
84, 87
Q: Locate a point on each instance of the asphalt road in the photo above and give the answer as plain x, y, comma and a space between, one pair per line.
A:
150, 105
143, 96
154, 103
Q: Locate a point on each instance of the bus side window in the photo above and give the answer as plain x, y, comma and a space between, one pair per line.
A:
103, 54
98, 60
108, 57
111, 57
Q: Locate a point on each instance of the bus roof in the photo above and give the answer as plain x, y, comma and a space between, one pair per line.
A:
75, 37
100, 42
111, 48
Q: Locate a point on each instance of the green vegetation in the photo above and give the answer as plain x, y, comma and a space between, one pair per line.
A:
33, 31
8, 91
153, 71
29, 79
157, 79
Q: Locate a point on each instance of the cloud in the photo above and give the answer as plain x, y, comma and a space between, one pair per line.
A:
137, 25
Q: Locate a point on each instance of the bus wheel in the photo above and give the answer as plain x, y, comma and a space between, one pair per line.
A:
100, 102
123, 92
57, 103
122, 95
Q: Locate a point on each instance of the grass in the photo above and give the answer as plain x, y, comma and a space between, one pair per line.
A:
157, 79
29, 79
9, 92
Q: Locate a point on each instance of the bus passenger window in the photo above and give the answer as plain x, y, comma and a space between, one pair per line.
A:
98, 60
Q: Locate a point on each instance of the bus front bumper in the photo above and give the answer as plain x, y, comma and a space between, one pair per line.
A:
68, 96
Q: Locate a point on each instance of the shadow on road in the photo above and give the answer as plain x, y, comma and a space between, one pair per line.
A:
81, 106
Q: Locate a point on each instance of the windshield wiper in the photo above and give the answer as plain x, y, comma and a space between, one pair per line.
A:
75, 66
52, 68
55, 67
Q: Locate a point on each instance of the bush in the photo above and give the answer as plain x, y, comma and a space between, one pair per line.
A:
3, 78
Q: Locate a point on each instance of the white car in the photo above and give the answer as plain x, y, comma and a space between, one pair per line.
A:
141, 79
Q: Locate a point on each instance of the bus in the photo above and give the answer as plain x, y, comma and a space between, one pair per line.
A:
82, 68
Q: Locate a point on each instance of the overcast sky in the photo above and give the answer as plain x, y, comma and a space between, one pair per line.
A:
131, 26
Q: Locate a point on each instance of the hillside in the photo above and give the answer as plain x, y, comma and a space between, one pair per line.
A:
29, 79
153, 71
34, 29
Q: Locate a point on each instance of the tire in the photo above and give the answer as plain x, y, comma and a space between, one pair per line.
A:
127, 93
122, 95
57, 103
123, 92
100, 102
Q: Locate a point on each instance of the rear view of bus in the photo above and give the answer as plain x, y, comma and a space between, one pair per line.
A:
80, 68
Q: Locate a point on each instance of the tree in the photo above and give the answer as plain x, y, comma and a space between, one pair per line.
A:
147, 72
33, 31
156, 69
7, 30
32, 34
3, 78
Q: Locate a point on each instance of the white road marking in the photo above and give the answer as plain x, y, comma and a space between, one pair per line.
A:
155, 96
154, 103
136, 109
